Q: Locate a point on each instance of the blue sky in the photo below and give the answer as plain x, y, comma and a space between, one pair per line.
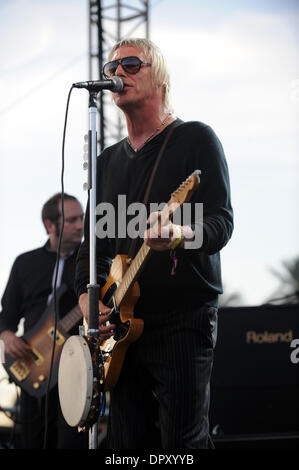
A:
234, 65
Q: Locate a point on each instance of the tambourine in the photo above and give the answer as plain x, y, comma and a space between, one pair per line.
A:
79, 383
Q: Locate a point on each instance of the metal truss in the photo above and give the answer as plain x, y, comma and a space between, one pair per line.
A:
110, 21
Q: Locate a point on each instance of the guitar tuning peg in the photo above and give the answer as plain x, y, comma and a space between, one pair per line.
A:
86, 137
85, 166
85, 187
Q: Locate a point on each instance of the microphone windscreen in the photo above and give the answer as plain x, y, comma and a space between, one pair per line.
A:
118, 84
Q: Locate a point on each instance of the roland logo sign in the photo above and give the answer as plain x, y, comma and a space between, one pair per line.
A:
266, 337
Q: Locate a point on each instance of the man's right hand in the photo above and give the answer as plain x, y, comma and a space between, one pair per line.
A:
106, 331
14, 346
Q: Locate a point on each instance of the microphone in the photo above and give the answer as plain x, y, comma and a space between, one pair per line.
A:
115, 84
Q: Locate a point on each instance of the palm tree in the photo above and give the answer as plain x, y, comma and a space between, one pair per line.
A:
289, 281
230, 299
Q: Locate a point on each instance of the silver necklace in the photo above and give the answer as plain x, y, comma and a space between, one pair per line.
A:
152, 134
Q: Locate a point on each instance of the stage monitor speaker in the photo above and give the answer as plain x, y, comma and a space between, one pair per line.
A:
255, 381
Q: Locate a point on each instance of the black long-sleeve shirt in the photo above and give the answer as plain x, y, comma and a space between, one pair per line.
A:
29, 286
121, 171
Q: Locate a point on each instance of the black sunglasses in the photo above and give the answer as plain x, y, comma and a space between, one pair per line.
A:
130, 65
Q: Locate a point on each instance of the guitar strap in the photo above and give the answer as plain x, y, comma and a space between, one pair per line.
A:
149, 185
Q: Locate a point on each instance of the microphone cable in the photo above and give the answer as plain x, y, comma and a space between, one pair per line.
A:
56, 272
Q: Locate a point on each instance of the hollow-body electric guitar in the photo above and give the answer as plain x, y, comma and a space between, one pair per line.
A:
32, 372
121, 292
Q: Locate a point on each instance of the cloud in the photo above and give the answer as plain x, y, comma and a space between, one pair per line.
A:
241, 76
25, 34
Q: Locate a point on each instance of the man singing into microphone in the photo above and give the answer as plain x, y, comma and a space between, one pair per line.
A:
161, 398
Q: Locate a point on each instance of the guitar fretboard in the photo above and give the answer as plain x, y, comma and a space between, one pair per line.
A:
68, 321
136, 265
132, 273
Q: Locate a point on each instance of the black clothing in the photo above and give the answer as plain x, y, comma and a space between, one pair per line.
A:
166, 373
30, 284
172, 371
121, 171
60, 434
26, 296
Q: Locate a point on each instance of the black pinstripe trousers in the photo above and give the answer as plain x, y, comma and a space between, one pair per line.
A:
161, 400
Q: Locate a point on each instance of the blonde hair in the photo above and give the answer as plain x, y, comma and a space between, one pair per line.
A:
160, 74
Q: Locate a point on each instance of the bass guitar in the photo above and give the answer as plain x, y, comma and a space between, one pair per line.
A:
32, 372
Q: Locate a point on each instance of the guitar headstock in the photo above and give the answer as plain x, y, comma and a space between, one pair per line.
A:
184, 192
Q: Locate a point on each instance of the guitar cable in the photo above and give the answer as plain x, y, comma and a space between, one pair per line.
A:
56, 271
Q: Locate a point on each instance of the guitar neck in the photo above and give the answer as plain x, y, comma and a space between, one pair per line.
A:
132, 273
138, 262
181, 195
70, 319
